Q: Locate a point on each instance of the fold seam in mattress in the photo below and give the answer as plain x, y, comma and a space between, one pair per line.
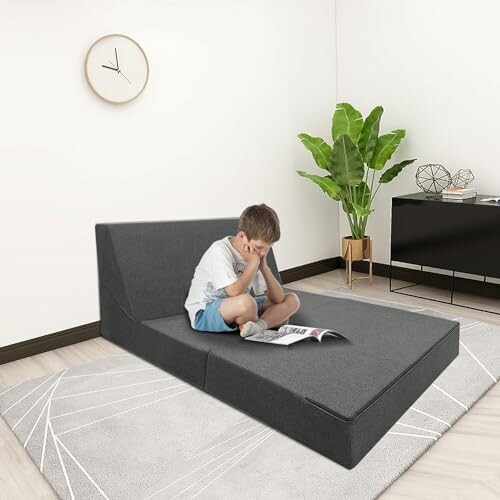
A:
113, 298
206, 370
118, 268
271, 382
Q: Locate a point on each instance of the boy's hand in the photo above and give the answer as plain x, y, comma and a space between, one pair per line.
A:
263, 261
250, 255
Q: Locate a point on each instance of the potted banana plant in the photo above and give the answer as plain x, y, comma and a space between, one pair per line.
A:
354, 168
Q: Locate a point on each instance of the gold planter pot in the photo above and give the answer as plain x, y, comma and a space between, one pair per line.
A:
354, 250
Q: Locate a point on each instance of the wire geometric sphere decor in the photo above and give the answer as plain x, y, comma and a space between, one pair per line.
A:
433, 178
462, 178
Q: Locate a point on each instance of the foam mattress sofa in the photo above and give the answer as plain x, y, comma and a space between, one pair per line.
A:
338, 398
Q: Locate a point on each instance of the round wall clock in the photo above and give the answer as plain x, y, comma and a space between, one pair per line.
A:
116, 68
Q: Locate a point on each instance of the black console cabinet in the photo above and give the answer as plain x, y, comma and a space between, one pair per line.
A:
459, 236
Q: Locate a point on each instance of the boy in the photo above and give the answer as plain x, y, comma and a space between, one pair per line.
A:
219, 298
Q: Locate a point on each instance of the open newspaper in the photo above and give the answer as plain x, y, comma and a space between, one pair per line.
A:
289, 334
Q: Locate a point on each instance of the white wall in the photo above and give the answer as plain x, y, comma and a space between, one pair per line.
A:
232, 82
435, 67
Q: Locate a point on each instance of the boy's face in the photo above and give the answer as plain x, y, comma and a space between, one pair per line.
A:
260, 246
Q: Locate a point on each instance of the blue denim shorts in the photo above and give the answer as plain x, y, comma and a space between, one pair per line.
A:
211, 320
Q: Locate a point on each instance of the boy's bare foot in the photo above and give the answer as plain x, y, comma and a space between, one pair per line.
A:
252, 327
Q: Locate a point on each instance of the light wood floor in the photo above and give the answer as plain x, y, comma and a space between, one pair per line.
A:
463, 464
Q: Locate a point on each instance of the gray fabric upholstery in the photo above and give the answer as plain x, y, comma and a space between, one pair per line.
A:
148, 266
338, 398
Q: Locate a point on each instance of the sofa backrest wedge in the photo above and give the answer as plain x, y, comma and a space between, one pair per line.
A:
147, 267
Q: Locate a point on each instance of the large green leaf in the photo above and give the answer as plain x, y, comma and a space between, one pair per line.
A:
361, 194
320, 150
386, 145
369, 133
347, 206
346, 164
346, 120
360, 201
392, 172
362, 211
326, 183
353, 208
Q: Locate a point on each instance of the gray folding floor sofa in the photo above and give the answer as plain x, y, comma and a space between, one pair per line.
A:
338, 397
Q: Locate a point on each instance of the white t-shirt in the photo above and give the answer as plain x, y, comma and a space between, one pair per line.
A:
220, 266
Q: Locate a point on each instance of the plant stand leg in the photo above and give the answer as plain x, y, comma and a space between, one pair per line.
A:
371, 261
349, 251
346, 259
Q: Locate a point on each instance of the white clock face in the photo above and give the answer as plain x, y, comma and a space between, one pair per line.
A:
116, 68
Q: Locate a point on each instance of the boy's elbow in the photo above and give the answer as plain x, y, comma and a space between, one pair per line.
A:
231, 291
277, 298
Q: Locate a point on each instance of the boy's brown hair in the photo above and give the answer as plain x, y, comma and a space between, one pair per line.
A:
260, 222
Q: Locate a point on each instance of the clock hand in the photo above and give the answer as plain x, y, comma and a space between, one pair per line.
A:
124, 77
120, 72
116, 56
104, 66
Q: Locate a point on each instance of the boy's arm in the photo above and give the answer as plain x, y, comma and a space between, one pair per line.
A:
274, 289
241, 284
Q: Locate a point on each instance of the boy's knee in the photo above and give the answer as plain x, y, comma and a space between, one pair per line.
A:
293, 301
246, 303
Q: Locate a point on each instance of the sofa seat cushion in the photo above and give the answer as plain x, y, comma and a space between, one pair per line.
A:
340, 396
383, 344
342, 376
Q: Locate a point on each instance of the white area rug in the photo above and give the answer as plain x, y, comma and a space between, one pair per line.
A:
120, 428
